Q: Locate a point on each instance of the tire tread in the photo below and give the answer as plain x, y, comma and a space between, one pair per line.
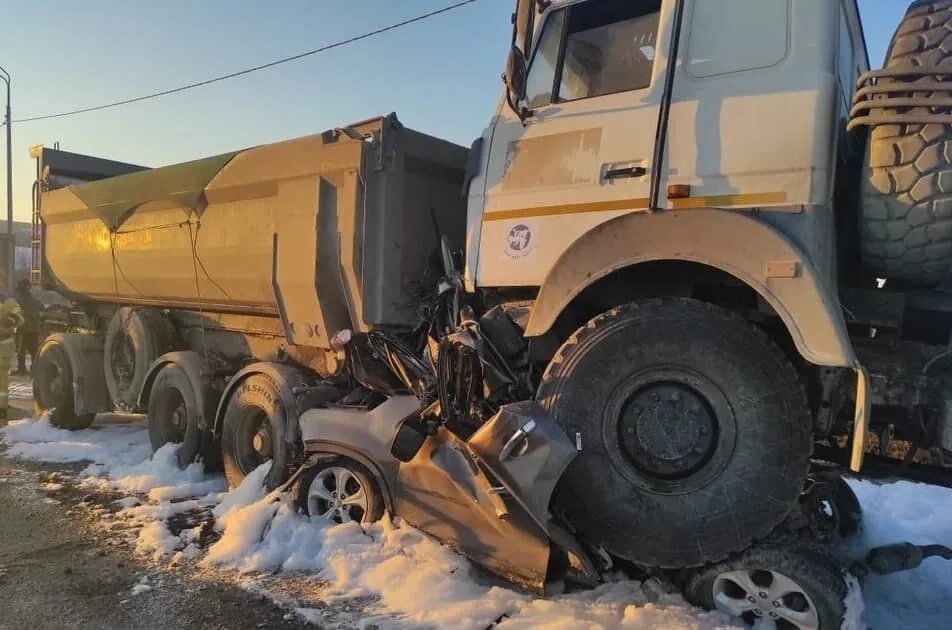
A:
906, 215
574, 349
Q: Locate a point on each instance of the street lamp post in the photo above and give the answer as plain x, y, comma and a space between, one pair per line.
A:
5, 76
8, 264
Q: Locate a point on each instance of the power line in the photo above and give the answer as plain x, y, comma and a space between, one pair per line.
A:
270, 64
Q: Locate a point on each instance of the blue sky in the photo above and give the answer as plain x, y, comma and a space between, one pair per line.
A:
440, 76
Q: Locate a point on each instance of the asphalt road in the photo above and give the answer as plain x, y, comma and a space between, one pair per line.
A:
59, 568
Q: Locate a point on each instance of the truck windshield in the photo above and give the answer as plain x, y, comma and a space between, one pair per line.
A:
594, 48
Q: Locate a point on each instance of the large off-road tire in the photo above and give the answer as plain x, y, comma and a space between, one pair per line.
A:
135, 338
341, 491
694, 432
255, 425
906, 215
53, 388
794, 587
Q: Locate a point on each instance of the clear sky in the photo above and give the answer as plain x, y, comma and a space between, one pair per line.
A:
441, 76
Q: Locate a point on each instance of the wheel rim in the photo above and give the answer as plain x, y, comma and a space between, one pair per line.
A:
669, 430
338, 495
122, 361
826, 513
766, 598
180, 417
52, 385
173, 414
254, 439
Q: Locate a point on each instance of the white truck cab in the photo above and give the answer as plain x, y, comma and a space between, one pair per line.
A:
754, 113
749, 119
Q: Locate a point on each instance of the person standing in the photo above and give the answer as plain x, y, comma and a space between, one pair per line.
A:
28, 334
11, 318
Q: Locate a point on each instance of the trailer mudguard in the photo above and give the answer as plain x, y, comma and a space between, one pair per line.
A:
734, 242
85, 353
192, 364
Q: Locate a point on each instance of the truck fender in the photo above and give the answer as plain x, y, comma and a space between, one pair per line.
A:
737, 243
287, 379
193, 366
85, 353
320, 447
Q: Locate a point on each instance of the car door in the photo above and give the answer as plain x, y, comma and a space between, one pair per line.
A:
583, 154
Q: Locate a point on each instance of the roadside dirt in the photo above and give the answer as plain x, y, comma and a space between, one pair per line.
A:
60, 567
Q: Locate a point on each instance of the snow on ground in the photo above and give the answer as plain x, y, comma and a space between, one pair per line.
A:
855, 606
142, 586
39, 440
916, 513
408, 578
120, 456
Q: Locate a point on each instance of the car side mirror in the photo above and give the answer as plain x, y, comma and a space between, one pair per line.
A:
516, 77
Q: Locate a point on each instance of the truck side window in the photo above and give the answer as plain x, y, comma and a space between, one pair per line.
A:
541, 79
609, 47
594, 48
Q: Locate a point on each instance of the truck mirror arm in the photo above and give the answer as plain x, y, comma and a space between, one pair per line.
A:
522, 112
515, 81
517, 64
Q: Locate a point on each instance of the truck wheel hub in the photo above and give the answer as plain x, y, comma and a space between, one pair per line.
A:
123, 361
180, 417
261, 442
669, 430
55, 385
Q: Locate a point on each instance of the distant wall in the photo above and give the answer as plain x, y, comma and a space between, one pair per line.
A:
22, 231
22, 264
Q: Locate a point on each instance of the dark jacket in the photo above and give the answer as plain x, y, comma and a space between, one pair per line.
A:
30, 307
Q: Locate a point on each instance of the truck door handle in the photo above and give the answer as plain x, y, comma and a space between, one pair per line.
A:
625, 171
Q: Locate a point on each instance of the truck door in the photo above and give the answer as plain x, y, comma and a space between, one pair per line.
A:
583, 154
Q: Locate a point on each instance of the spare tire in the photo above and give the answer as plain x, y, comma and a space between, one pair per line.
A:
693, 430
135, 338
906, 215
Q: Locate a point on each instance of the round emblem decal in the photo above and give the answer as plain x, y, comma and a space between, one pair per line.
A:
519, 241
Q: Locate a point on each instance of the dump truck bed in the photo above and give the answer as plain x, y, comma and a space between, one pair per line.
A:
326, 231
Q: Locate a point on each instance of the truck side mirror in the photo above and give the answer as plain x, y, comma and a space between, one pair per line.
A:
523, 21
516, 76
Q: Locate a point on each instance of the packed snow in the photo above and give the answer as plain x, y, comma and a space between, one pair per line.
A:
916, 513
141, 587
855, 605
403, 578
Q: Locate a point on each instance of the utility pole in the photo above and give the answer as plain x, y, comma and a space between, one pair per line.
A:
9, 264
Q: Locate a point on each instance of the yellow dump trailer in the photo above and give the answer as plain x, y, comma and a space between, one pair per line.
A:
327, 231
